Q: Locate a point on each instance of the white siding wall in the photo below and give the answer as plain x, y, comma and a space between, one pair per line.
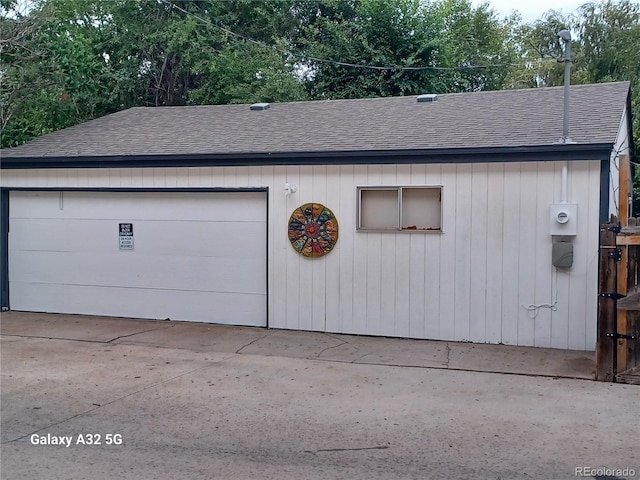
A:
471, 282
620, 147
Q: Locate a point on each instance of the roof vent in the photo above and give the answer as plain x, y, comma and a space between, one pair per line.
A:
428, 97
259, 106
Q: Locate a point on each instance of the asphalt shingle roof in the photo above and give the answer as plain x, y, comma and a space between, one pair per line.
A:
529, 117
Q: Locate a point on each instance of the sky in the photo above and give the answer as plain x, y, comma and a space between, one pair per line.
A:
531, 10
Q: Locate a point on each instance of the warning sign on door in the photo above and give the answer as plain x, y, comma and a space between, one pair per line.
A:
126, 236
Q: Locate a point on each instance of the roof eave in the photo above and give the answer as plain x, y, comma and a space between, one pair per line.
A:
540, 153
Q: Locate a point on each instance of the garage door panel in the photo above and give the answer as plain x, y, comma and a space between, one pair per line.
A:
223, 308
220, 239
34, 204
202, 206
62, 235
193, 252
173, 238
212, 274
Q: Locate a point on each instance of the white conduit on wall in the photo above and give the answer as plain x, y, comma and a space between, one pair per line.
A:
565, 183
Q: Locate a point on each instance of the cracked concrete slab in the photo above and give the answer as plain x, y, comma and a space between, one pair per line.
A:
524, 361
268, 417
45, 383
387, 351
406, 353
74, 327
289, 343
198, 337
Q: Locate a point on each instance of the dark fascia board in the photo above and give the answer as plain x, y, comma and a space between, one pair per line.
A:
542, 153
4, 249
137, 189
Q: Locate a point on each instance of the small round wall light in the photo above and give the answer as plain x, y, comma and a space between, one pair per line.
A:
313, 230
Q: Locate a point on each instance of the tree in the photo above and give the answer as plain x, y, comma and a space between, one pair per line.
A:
472, 38
89, 58
413, 47
67, 61
609, 36
18, 59
604, 48
185, 52
538, 50
51, 75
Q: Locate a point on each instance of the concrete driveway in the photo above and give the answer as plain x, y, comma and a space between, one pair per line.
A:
85, 397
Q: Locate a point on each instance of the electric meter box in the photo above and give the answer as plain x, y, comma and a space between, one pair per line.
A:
563, 219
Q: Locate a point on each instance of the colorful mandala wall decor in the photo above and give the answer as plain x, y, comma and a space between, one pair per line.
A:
313, 230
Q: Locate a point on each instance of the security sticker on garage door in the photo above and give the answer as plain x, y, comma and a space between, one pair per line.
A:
126, 236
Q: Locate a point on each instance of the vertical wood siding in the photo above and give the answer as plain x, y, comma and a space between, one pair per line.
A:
622, 146
472, 282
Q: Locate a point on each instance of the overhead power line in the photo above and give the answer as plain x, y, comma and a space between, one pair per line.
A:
336, 62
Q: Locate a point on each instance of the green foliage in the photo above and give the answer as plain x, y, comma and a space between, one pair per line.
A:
471, 37
52, 76
185, 55
609, 35
538, 49
89, 58
405, 35
67, 61
605, 46
247, 75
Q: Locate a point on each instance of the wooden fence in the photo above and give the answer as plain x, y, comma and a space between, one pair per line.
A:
618, 346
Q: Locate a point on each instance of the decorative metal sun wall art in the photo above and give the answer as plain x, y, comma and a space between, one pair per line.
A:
313, 230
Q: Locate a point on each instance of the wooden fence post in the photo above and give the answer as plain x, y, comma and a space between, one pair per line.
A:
624, 178
606, 306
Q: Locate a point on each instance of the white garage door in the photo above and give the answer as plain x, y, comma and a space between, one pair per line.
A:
197, 256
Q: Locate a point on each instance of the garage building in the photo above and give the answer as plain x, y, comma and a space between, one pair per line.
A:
445, 208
